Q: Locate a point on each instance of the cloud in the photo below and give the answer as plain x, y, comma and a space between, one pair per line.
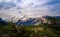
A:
7, 5
18, 0
54, 6
31, 8
41, 7
52, 2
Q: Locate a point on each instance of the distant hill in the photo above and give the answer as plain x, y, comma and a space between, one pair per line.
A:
2, 22
58, 17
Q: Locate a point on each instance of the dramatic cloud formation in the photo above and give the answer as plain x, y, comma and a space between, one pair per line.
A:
30, 8
41, 7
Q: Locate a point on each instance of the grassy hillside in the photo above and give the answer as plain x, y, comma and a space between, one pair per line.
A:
12, 30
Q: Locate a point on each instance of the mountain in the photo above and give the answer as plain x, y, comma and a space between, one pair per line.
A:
34, 21
57, 17
30, 21
2, 22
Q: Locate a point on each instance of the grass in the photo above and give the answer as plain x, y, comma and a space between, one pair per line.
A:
29, 31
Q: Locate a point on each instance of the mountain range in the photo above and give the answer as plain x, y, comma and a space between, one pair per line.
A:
29, 21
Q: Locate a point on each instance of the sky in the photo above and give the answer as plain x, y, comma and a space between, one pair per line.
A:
30, 8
